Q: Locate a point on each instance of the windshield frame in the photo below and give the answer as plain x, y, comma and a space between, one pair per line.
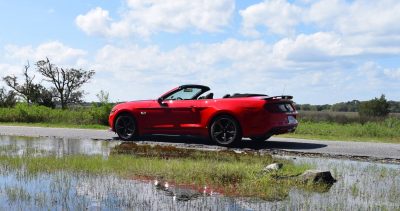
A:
202, 89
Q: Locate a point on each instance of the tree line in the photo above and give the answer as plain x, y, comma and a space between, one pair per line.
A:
63, 86
378, 107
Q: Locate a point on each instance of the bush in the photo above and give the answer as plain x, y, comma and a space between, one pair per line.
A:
7, 99
22, 112
374, 108
100, 113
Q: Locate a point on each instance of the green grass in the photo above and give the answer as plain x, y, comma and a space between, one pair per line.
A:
382, 131
231, 173
80, 116
340, 117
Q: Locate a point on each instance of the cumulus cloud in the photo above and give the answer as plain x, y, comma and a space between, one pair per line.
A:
9, 69
139, 72
145, 18
194, 62
96, 21
344, 17
228, 66
56, 51
15, 57
320, 46
374, 17
393, 73
278, 16
322, 51
325, 12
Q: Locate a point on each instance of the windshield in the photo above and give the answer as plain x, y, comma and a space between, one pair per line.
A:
184, 94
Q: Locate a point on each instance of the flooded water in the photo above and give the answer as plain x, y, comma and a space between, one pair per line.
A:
360, 186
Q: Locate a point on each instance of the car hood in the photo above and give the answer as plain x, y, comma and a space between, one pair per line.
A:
134, 104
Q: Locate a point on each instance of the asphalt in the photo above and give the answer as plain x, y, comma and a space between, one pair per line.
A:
322, 147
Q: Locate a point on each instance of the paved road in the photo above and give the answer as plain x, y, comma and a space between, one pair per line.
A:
361, 149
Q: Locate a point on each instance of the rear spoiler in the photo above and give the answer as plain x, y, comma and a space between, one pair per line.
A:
283, 97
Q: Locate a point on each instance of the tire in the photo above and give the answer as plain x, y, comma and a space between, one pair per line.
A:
260, 138
225, 131
125, 127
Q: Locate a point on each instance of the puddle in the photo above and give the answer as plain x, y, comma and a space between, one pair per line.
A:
32, 146
360, 185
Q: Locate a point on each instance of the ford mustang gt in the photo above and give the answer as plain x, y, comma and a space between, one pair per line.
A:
192, 110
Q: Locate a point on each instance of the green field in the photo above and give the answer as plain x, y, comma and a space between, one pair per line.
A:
387, 131
347, 126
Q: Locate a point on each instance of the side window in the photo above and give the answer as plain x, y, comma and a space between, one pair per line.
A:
184, 94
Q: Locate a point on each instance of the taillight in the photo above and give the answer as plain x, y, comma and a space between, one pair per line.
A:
279, 107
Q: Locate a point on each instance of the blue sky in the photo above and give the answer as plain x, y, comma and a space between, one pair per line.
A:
320, 51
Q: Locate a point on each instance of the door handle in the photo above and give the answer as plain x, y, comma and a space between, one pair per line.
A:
193, 108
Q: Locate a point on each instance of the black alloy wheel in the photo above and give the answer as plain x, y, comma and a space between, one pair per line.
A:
225, 131
125, 127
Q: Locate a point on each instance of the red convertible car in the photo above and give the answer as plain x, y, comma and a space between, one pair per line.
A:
191, 110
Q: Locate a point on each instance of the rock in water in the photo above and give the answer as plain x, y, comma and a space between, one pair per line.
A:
317, 176
273, 167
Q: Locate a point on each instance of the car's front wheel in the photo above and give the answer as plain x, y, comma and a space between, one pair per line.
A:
125, 127
225, 130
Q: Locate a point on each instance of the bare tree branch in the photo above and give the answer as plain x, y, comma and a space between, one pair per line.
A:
67, 82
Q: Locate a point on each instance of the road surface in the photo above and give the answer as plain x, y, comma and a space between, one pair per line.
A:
378, 151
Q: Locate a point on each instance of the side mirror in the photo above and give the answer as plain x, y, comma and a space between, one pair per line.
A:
160, 101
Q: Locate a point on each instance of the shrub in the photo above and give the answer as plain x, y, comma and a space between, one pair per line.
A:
7, 99
374, 108
100, 113
22, 112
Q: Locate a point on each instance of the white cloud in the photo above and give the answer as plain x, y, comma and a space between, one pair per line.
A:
373, 19
9, 69
56, 51
16, 57
393, 73
220, 65
228, 66
317, 47
182, 62
278, 16
96, 21
245, 66
145, 18
325, 12
370, 17
135, 72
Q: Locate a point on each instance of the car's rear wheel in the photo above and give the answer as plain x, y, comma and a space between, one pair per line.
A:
125, 127
260, 138
225, 130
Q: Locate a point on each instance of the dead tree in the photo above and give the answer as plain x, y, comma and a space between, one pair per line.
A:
28, 90
66, 81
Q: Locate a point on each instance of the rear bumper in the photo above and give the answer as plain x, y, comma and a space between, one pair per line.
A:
282, 129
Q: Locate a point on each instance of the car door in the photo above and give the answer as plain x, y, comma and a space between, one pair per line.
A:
185, 116
156, 118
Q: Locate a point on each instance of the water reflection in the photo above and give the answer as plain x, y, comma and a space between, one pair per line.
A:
13, 145
360, 185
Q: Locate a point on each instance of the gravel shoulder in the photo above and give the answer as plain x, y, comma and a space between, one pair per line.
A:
356, 150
